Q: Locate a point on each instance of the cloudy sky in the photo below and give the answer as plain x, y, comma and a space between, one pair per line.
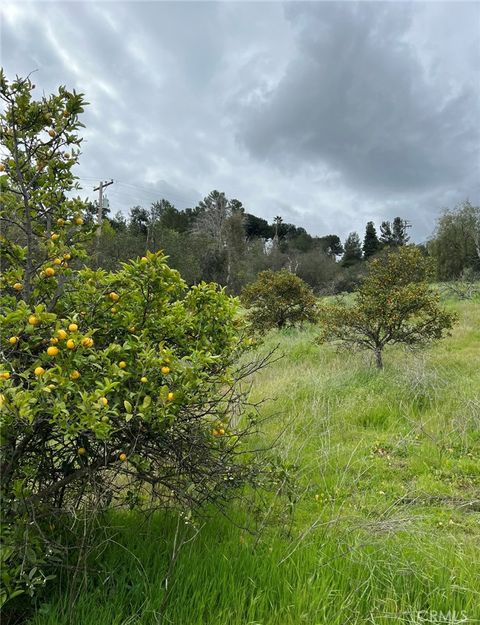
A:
328, 114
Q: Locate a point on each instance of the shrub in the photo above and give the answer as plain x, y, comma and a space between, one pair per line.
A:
394, 304
114, 387
279, 299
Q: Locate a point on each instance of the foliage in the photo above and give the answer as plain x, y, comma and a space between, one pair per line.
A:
394, 304
456, 244
278, 299
371, 244
352, 250
394, 234
115, 387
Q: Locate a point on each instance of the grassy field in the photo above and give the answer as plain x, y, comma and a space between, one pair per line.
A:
385, 526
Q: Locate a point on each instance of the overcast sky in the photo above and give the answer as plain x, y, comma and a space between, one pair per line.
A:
328, 114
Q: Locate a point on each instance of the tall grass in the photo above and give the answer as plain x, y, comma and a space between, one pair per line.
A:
386, 521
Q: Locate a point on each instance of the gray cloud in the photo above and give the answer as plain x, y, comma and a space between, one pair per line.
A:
330, 114
358, 99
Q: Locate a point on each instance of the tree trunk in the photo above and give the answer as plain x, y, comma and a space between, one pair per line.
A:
378, 358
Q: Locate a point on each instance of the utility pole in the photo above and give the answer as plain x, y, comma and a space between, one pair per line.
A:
100, 188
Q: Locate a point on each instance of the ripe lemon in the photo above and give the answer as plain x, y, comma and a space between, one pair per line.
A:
221, 431
18, 286
122, 457
81, 451
13, 340
74, 375
144, 259
73, 327
60, 221
52, 350
114, 296
87, 342
144, 380
57, 261
78, 221
5, 375
70, 344
122, 364
67, 256
49, 272
54, 236
165, 370
39, 371
103, 401
170, 397
54, 340
33, 320
62, 334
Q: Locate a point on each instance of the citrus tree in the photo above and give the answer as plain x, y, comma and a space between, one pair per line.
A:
395, 304
278, 299
114, 386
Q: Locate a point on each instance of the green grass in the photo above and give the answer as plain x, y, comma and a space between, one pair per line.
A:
387, 515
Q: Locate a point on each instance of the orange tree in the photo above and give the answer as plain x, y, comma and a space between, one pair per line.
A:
394, 305
113, 386
278, 299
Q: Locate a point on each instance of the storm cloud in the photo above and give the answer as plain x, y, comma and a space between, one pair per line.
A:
329, 114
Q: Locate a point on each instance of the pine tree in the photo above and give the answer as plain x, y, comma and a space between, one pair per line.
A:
371, 244
386, 236
399, 231
353, 250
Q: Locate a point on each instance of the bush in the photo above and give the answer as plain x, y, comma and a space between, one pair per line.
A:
115, 387
394, 305
278, 299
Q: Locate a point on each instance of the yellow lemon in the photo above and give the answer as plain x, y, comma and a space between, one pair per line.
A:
73, 327
33, 320
103, 401
165, 370
70, 344
122, 457
54, 236
62, 334
122, 364
170, 397
49, 272
74, 375
18, 286
114, 296
13, 340
39, 371
81, 451
144, 380
52, 350
87, 342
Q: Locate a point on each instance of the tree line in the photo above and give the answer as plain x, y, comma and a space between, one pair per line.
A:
220, 241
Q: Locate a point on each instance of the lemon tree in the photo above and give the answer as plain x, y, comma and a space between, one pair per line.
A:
114, 386
395, 304
279, 299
